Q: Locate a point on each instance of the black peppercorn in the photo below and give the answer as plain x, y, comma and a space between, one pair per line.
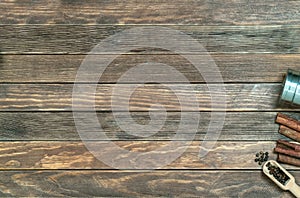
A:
261, 157
277, 173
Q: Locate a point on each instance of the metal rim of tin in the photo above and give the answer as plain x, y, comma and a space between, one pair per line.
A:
291, 87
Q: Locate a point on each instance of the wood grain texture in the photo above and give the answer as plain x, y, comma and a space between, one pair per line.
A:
42, 44
74, 155
137, 184
80, 39
217, 12
248, 126
63, 68
58, 97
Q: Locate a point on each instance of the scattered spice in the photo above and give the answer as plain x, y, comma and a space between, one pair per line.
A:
261, 157
277, 173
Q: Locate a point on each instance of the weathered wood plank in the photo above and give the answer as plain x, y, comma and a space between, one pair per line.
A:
217, 12
58, 97
63, 68
22, 126
74, 155
139, 184
80, 39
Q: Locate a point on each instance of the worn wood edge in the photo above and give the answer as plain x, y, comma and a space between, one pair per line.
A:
74, 155
150, 12
58, 97
45, 126
79, 39
63, 68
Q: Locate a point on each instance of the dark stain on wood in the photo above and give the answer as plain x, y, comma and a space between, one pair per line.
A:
13, 126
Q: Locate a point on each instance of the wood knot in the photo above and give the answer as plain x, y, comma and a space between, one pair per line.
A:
13, 163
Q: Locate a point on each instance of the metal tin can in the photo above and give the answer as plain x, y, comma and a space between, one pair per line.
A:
291, 87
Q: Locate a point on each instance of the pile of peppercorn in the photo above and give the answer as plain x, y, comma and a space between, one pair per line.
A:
261, 157
277, 173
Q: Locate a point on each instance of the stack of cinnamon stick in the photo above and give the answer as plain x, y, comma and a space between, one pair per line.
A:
288, 152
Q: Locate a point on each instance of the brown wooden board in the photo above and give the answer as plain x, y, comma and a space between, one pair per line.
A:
63, 68
247, 126
42, 45
74, 154
139, 184
200, 12
80, 39
58, 97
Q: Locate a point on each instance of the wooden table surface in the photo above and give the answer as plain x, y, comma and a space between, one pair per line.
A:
42, 44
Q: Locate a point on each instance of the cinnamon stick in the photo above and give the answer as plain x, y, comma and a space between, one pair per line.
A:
290, 133
288, 121
288, 160
279, 145
289, 152
293, 146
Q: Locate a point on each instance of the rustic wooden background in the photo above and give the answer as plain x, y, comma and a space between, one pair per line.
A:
42, 44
